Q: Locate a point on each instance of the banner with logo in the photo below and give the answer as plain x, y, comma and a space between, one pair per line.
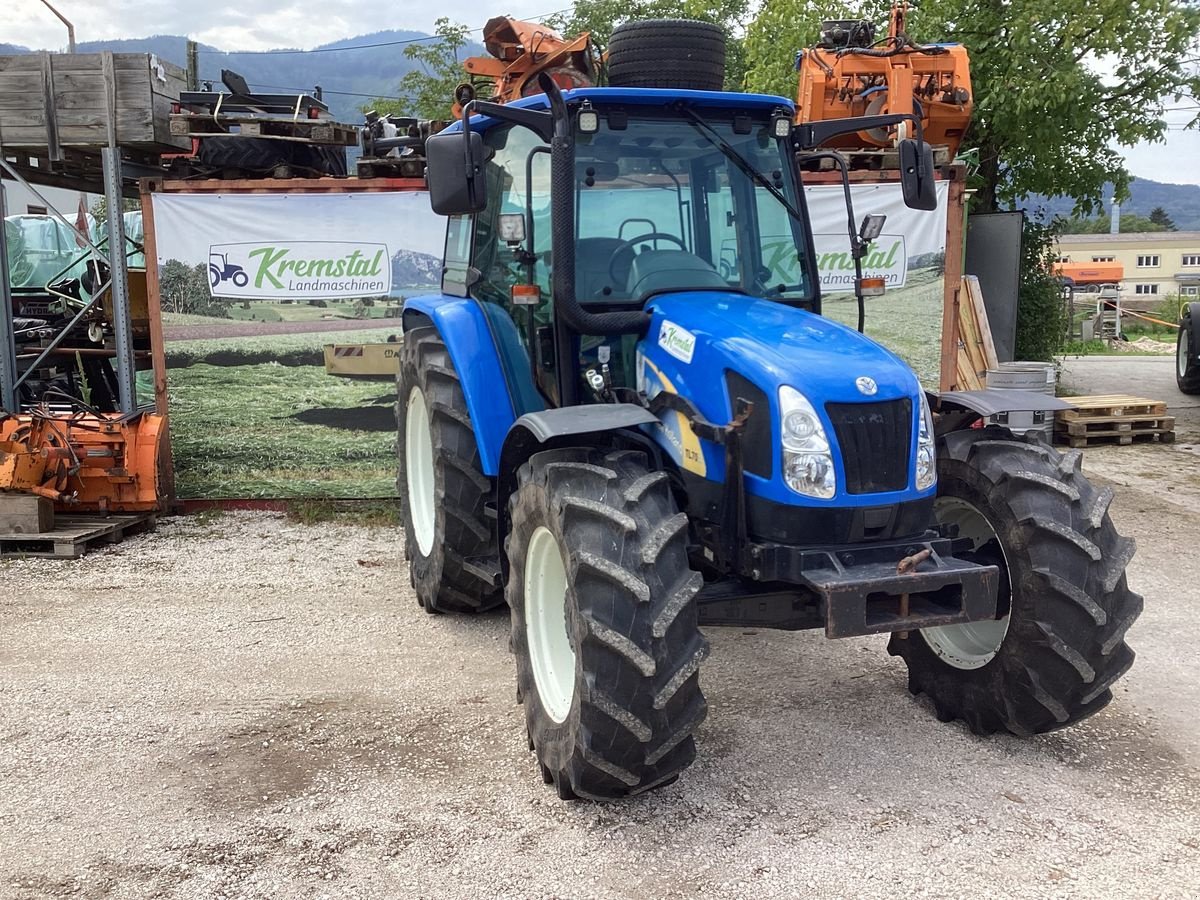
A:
273, 307
911, 239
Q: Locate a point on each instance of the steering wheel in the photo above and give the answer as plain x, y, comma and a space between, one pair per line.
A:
633, 242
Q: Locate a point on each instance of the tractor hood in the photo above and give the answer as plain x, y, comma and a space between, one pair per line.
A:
770, 344
706, 346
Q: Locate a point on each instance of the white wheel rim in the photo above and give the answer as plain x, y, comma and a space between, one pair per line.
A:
974, 644
550, 652
418, 470
1182, 352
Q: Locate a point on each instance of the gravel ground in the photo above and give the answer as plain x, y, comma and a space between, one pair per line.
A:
246, 707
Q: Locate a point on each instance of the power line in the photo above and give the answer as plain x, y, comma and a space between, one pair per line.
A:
418, 40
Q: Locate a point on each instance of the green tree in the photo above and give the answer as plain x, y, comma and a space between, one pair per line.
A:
784, 27
1047, 116
427, 91
1041, 313
600, 17
1058, 84
1159, 217
1130, 224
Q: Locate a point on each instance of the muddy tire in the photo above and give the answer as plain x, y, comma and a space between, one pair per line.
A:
667, 53
1187, 350
441, 483
1062, 584
604, 629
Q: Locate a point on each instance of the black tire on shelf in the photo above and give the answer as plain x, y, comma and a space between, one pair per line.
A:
1187, 350
1062, 582
667, 53
620, 719
460, 529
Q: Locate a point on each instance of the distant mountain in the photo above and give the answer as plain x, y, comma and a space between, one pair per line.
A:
1181, 201
349, 78
411, 268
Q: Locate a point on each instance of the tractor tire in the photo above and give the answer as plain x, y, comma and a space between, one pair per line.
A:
604, 627
667, 53
1053, 661
1187, 350
441, 483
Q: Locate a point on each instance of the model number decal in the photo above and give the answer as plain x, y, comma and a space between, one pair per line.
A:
677, 341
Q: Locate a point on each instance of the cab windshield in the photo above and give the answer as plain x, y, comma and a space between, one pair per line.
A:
686, 202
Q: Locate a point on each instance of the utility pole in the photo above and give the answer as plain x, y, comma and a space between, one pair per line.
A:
193, 66
63, 19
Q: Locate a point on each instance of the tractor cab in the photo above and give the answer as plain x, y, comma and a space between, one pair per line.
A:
670, 194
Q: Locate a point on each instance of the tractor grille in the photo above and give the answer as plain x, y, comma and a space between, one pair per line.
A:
875, 439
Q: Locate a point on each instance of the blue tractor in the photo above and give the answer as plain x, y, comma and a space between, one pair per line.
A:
625, 417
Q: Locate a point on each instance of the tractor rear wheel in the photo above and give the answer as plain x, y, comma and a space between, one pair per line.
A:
1056, 650
604, 629
1187, 350
667, 53
441, 483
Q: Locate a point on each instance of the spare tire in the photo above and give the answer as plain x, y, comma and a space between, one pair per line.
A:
667, 53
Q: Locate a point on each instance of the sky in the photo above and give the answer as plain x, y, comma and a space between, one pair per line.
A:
266, 24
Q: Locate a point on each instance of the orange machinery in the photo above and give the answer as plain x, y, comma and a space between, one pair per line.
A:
84, 462
850, 73
1091, 274
520, 51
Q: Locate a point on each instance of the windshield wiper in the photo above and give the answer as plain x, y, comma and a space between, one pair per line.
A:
738, 160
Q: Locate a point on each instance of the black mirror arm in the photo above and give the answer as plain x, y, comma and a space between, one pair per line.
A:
536, 120
810, 135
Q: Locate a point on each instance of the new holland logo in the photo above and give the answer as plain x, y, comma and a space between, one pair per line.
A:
866, 385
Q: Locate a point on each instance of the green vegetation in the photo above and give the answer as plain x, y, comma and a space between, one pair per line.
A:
378, 513
283, 349
427, 92
1041, 314
273, 431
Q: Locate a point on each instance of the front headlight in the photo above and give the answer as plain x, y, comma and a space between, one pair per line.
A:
807, 460
926, 461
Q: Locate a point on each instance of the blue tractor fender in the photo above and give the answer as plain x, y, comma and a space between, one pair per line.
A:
474, 340
569, 426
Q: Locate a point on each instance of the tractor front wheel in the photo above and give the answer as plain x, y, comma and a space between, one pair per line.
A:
1058, 645
604, 629
448, 537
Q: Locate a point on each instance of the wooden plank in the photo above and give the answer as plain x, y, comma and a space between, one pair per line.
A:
952, 277
975, 292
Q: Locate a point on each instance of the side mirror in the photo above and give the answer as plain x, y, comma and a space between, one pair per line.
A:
453, 191
916, 175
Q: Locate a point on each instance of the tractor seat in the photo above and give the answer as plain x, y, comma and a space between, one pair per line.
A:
592, 256
655, 271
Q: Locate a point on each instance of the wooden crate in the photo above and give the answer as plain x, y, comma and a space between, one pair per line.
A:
63, 96
73, 535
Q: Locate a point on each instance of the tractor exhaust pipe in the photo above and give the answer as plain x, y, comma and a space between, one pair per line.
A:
562, 234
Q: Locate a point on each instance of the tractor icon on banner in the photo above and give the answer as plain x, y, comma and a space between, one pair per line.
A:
220, 269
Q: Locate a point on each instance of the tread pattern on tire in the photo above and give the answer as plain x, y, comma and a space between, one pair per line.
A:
461, 490
667, 53
1189, 328
1071, 604
631, 618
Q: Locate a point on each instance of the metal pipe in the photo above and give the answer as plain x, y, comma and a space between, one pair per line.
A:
65, 21
8, 340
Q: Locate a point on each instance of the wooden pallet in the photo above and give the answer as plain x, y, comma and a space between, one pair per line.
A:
309, 131
976, 351
1112, 406
74, 535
